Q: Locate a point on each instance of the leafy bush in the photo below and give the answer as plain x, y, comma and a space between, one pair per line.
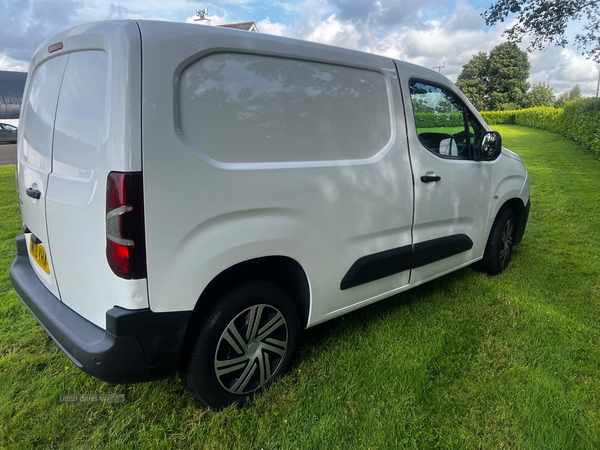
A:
579, 120
542, 117
433, 120
499, 117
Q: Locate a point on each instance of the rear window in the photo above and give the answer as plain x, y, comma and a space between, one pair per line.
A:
239, 108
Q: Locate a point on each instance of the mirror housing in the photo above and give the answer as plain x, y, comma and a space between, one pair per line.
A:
491, 146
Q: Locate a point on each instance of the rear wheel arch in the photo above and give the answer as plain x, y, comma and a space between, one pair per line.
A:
246, 340
275, 285
282, 271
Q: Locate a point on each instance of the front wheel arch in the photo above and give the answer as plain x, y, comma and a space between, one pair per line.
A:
499, 246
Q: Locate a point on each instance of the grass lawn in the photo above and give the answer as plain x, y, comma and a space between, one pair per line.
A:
466, 361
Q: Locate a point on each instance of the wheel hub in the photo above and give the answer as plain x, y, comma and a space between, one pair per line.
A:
251, 349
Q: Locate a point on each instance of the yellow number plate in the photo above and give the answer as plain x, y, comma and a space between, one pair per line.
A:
39, 254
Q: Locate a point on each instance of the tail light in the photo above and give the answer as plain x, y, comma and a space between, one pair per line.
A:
125, 236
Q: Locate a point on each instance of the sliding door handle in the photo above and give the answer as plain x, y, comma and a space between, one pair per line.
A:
430, 178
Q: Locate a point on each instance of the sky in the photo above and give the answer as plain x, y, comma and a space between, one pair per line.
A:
431, 33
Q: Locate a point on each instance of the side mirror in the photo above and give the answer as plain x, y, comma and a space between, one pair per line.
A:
491, 146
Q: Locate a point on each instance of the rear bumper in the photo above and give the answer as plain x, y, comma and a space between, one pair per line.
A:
137, 345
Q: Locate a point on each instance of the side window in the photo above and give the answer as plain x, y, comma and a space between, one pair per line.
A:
444, 124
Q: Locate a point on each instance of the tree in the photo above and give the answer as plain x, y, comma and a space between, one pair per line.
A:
540, 95
508, 70
497, 81
472, 80
573, 94
546, 22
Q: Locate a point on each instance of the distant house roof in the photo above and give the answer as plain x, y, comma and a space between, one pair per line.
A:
12, 85
247, 26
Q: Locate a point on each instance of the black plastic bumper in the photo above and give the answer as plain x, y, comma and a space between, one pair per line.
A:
522, 219
137, 345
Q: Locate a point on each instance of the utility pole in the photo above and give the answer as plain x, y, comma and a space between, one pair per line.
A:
439, 68
598, 87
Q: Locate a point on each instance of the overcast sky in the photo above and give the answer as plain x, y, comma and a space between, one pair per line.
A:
430, 33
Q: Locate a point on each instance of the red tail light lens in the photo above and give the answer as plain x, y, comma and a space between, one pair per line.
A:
125, 236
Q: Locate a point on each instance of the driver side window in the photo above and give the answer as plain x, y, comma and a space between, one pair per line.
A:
444, 125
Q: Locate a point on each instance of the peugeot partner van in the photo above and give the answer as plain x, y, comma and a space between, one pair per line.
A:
193, 196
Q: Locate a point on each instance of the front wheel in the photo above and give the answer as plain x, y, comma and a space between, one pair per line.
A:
498, 249
244, 343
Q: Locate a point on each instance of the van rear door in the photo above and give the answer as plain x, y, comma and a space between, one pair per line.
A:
35, 161
96, 133
81, 123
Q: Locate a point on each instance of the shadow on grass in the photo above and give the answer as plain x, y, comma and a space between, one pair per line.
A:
428, 294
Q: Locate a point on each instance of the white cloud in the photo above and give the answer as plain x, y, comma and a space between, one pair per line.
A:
13, 65
562, 68
333, 32
277, 29
428, 32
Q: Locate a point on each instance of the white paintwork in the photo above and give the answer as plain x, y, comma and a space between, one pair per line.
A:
214, 119
201, 216
97, 130
34, 150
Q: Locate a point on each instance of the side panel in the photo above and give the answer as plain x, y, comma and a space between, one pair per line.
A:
209, 208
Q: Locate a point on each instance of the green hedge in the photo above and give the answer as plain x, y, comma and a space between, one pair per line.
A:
579, 120
433, 120
499, 117
542, 117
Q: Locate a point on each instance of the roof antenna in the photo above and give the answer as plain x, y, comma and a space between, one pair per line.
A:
201, 17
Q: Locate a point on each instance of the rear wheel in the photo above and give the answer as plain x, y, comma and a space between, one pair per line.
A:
498, 249
245, 342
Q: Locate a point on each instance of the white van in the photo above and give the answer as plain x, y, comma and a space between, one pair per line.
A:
193, 196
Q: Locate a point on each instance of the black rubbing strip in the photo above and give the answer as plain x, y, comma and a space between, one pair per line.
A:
378, 265
390, 262
437, 249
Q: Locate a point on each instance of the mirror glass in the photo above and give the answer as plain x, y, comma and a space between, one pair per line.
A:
491, 145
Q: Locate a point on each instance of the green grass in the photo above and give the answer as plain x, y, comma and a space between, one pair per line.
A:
466, 361
446, 130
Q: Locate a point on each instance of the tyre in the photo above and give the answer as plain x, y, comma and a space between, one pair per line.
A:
243, 344
498, 249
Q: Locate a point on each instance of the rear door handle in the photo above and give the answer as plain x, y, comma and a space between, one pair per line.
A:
33, 193
430, 178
